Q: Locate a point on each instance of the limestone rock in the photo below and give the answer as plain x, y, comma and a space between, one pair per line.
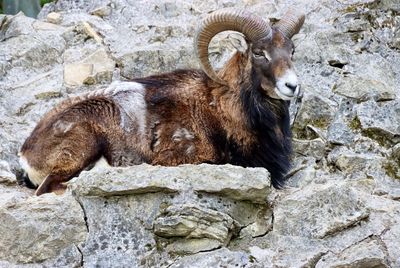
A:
193, 245
217, 258
180, 210
261, 226
76, 74
340, 133
54, 17
303, 172
41, 226
197, 229
193, 222
314, 148
308, 251
391, 239
13, 194
363, 89
366, 254
235, 182
319, 211
380, 120
6, 176
316, 111
97, 67
350, 162
110, 223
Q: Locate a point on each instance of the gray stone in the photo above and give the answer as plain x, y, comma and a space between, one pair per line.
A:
314, 148
40, 227
341, 129
120, 229
368, 254
96, 68
349, 162
316, 111
262, 225
395, 152
217, 258
363, 89
76, 74
303, 172
382, 120
318, 211
383, 215
235, 182
54, 17
278, 250
6, 176
340, 133
391, 240
13, 194
193, 245
206, 228
180, 210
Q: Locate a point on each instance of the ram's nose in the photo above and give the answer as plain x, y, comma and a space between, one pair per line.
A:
292, 86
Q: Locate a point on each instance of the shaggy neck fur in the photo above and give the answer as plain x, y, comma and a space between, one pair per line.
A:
267, 119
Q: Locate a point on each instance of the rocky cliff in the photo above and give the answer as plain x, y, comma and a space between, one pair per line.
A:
342, 204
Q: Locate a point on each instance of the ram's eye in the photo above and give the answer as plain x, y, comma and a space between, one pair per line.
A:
258, 55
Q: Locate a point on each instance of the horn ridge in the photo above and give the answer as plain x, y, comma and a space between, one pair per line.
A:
290, 23
251, 26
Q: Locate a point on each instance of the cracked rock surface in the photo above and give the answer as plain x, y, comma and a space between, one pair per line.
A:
342, 204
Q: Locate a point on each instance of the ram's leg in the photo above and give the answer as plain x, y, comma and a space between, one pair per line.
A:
52, 183
67, 165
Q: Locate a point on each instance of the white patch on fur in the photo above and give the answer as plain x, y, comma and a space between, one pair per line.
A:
130, 97
266, 55
285, 93
34, 176
62, 126
190, 150
157, 136
182, 133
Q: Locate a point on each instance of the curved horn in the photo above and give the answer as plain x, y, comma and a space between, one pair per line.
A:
253, 27
290, 23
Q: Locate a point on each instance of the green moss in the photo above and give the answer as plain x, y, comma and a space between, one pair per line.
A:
355, 8
304, 133
43, 2
374, 134
355, 124
24, 109
392, 169
48, 95
320, 123
356, 36
377, 136
164, 206
351, 8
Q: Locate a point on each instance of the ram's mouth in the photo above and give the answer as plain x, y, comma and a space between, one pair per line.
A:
287, 96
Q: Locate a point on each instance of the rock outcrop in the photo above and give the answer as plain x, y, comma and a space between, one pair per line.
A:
342, 204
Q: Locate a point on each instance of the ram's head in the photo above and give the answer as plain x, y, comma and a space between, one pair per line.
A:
270, 48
